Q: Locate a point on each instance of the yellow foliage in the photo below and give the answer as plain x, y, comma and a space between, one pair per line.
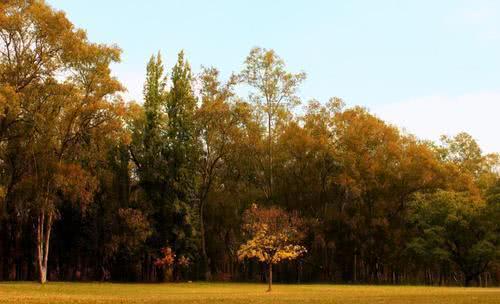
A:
270, 245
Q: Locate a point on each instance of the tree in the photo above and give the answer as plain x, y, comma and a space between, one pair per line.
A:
378, 170
275, 93
456, 225
132, 231
182, 150
463, 151
165, 151
64, 87
274, 236
149, 152
217, 126
155, 98
169, 260
119, 191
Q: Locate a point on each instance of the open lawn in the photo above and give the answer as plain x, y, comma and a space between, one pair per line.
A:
239, 293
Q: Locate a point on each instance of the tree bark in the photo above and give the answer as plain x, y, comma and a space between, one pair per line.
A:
270, 131
355, 271
270, 279
206, 265
44, 226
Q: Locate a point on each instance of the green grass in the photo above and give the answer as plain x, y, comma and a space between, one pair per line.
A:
239, 293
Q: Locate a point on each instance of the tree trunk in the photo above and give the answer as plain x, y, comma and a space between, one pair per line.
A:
270, 139
467, 280
2, 254
44, 226
355, 270
206, 264
270, 279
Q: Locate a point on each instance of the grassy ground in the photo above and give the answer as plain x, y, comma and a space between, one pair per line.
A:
239, 293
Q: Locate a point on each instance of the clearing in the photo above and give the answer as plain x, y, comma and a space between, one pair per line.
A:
59, 292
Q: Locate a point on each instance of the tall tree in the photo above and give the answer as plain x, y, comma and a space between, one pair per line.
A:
149, 145
183, 148
64, 85
165, 149
155, 94
275, 94
217, 127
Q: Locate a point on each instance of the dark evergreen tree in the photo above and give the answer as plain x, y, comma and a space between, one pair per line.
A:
182, 150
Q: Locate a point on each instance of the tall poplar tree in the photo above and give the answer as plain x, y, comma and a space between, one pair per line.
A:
183, 151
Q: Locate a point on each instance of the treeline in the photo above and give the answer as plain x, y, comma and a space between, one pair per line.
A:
93, 187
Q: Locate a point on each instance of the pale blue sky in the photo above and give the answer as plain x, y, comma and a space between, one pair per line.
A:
408, 61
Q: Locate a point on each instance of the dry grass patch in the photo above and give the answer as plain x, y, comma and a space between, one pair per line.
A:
58, 293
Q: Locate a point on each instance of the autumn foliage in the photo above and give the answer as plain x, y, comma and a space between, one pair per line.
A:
95, 187
273, 236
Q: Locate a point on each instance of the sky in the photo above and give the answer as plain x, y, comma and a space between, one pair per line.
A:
429, 67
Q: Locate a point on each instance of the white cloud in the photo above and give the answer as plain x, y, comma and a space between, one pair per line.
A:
429, 117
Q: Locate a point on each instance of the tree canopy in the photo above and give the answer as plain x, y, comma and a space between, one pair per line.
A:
95, 187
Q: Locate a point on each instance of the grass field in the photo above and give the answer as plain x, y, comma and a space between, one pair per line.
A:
239, 293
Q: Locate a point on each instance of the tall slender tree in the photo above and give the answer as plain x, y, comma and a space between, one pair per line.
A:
183, 148
217, 127
275, 94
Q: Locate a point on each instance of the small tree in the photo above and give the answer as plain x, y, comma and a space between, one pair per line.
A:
274, 237
169, 260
